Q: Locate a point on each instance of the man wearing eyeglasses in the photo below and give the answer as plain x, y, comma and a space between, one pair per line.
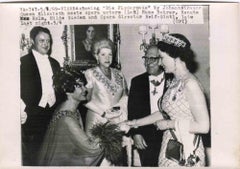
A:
145, 91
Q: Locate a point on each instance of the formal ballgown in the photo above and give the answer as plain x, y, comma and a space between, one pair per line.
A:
176, 105
66, 143
106, 93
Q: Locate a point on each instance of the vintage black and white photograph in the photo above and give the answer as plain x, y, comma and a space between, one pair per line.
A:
153, 110
116, 85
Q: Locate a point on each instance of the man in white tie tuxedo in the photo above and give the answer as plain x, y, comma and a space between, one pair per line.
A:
37, 92
145, 91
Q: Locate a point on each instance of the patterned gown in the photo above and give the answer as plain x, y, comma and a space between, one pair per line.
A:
176, 105
106, 94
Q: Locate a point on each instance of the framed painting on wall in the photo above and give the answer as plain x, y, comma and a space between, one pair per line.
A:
82, 38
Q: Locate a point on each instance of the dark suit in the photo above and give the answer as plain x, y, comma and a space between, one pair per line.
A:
139, 107
38, 118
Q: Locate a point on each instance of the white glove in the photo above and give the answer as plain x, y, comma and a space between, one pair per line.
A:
23, 114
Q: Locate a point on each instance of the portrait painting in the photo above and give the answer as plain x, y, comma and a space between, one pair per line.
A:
82, 40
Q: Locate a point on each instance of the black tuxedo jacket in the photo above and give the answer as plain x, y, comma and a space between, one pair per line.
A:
139, 105
31, 88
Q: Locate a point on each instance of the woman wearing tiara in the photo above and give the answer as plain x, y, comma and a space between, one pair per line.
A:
183, 108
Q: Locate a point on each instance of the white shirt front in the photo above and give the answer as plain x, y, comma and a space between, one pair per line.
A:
159, 91
46, 73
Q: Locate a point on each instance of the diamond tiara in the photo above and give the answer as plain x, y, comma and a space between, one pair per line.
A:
171, 40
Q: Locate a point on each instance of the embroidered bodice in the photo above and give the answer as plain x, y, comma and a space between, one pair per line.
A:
66, 113
174, 101
105, 92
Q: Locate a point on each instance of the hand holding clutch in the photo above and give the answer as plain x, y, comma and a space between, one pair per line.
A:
112, 113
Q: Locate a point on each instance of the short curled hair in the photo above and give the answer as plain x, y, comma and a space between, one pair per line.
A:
185, 52
102, 43
65, 79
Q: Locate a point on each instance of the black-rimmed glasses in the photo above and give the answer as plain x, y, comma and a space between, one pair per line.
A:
150, 59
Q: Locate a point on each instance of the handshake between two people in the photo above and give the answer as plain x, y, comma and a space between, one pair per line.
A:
115, 115
126, 125
160, 124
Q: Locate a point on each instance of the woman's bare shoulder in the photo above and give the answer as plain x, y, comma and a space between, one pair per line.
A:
192, 84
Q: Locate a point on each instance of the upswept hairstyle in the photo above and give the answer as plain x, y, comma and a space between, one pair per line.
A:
178, 46
102, 43
36, 30
65, 79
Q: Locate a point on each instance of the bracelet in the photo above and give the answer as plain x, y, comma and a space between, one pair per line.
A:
104, 114
135, 124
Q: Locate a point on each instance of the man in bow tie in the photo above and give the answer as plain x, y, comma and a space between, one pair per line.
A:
145, 91
37, 93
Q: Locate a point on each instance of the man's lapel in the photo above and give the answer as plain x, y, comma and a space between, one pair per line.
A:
146, 89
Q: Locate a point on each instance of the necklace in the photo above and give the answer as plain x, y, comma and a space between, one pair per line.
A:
106, 72
178, 85
155, 84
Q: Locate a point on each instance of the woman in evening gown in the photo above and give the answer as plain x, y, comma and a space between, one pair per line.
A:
66, 143
107, 88
183, 108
